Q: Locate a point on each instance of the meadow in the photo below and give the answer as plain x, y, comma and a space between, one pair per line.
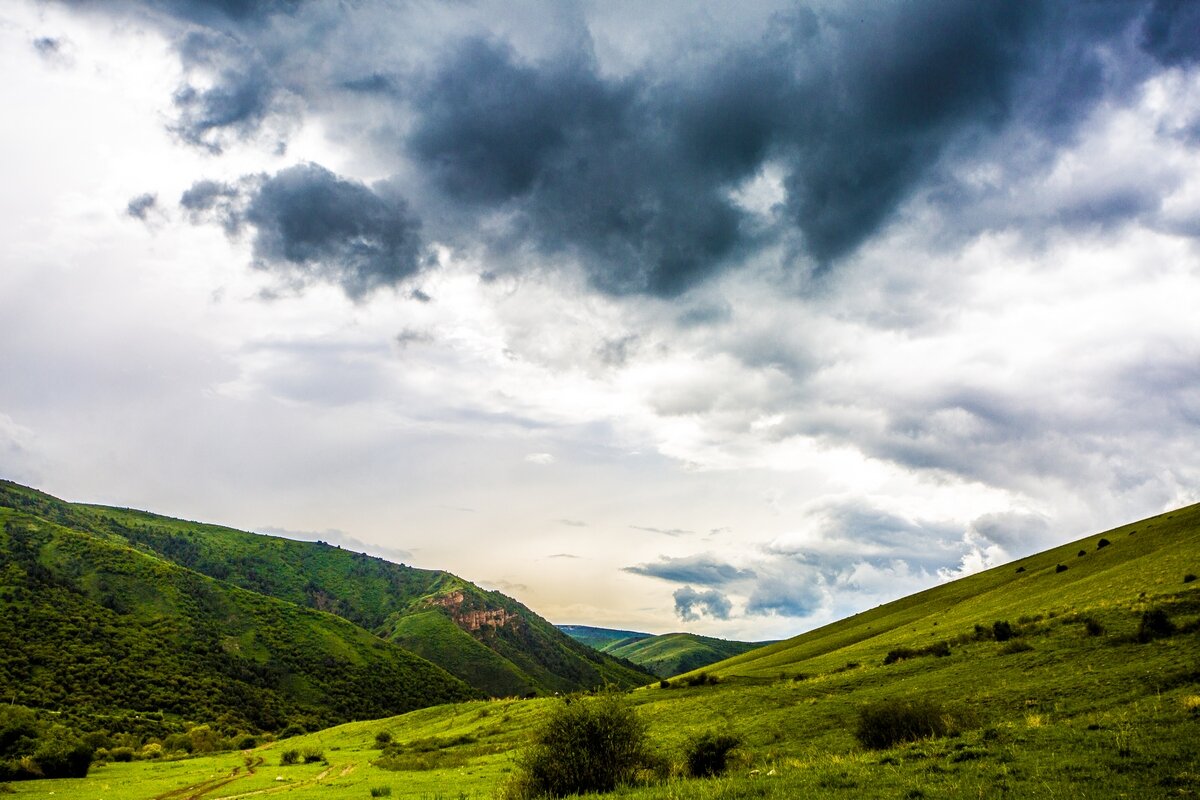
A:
1074, 695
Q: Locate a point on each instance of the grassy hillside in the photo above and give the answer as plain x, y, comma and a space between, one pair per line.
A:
526, 653
101, 633
1073, 705
674, 653
665, 654
601, 638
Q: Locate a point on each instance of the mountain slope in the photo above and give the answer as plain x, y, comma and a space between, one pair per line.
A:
665, 654
1075, 705
1126, 566
526, 653
95, 628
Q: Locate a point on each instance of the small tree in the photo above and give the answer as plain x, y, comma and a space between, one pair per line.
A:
583, 745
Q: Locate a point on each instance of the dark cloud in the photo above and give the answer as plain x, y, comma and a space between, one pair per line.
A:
311, 224
142, 206
1171, 32
702, 569
690, 604
240, 97
634, 174
410, 336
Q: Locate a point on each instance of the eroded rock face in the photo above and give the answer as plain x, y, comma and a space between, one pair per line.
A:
472, 620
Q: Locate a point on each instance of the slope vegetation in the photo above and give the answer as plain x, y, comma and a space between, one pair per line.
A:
99, 631
665, 654
1050, 682
491, 641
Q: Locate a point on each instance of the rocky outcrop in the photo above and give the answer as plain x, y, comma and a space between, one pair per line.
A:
472, 620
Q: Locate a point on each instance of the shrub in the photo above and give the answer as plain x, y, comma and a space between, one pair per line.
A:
1020, 569
1155, 624
383, 738
381, 791
120, 754
1061, 568
1016, 646
1002, 631
939, 649
289, 757
63, 759
702, 679
1082, 553
887, 723
664, 684
1093, 627
1103, 543
1189, 578
707, 755
313, 756
247, 743
591, 745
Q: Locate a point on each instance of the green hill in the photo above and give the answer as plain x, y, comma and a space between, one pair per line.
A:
491, 641
665, 654
600, 638
110, 637
1079, 692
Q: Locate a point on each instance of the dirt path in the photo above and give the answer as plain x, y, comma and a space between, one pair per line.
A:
197, 791
290, 785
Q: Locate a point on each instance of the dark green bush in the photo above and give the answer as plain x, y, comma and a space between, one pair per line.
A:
1155, 624
1061, 568
664, 684
939, 649
381, 791
582, 745
121, 754
313, 756
1002, 631
247, 743
1093, 627
890, 722
289, 757
1016, 646
708, 754
63, 759
1189, 578
1103, 543
702, 679
383, 738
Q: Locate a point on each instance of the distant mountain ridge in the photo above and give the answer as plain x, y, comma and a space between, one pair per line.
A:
665, 654
486, 640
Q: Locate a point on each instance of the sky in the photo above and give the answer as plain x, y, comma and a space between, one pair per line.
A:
732, 318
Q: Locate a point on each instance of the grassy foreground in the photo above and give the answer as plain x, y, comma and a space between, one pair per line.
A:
1074, 704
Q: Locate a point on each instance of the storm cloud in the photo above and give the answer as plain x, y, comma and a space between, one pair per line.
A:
311, 224
539, 152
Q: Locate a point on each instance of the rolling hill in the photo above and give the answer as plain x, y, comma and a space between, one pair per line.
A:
1076, 693
488, 640
101, 633
664, 654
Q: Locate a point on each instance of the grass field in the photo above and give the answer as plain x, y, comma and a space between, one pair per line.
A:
1073, 705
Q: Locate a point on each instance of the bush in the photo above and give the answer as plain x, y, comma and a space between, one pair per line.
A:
1082, 553
63, 759
1015, 646
313, 756
247, 743
1002, 631
664, 684
120, 754
591, 745
1061, 568
1189, 578
1155, 624
939, 649
383, 738
289, 757
1103, 543
890, 722
708, 754
381, 791
702, 679
1093, 627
